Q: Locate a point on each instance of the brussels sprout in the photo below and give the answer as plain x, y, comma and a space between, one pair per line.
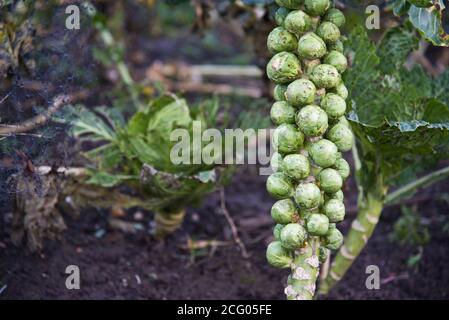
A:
421, 3
307, 195
296, 166
335, 210
325, 76
277, 231
324, 153
337, 46
309, 65
283, 210
328, 31
279, 92
276, 162
336, 59
280, 15
280, 39
342, 136
317, 224
283, 67
335, 16
330, 180
333, 239
293, 236
289, 4
297, 22
310, 46
300, 92
312, 120
287, 139
278, 256
334, 105
336, 195
279, 186
342, 166
323, 253
282, 112
341, 90
316, 7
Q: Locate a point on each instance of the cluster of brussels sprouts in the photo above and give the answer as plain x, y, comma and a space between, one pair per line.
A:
311, 134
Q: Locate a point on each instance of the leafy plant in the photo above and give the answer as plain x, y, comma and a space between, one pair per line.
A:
410, 228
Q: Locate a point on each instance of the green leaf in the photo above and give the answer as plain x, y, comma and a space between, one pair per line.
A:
400, 7
440, 87
428, 21
108, 180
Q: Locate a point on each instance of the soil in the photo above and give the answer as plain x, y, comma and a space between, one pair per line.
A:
115, 265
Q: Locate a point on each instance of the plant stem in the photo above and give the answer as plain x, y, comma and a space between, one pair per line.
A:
167, 222
428, 179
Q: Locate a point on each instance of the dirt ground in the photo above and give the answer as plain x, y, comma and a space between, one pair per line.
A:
114, 265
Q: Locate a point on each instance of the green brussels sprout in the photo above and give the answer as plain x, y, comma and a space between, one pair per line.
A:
312, 120
323, 253
283, 67
333, 239
300, 92
307, 195
341, 90
337, 46
324, 153
336, 195
342, 166
335, 210
330, 180
336, 59
278, 256
336, 17
317, 224
297, 22
277, 231
293, 236
325, 76
421, 3
287, 138
316, 7
279, 92
328, 31
283, 210
310, 46
280, 39
279, 186
276, 162
290, 4
280, 15
282, 112
296, 166
342, 136
334, 105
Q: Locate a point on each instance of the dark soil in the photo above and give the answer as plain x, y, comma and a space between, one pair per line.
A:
114, 265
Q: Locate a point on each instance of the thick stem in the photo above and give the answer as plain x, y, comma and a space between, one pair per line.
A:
305, 270
361, 230
167, 222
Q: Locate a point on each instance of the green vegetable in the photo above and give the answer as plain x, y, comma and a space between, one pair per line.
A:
316, 7
311, 46
287, 139
342, 166
317, 224
333, 239
289, 4
323, 152
278, 256
293, 236
336, 195
341, 90
283, 67
312, 121
300, 92
325, 76
328, 31
279, 92
280, 15
282, 112
330, 180
296, 166
334, 105
279, 186
277, 231
342, 136
323, 254
307, 195
280, 39
276, 161
283, 211
335, 210
336, 17
297, 22
336, 59
336, 46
